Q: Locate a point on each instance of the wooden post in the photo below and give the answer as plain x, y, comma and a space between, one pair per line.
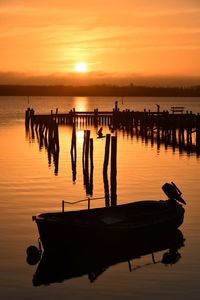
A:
83, 153
27, 117
87, 143
50, 136
40, 136
73, 153
56, 137
91, 167
85, 160
31, 116
91, 154
106, 189
73, 142
158, 137
105, 168
63, 205
198, 133
113, 171
107, 150
56, 161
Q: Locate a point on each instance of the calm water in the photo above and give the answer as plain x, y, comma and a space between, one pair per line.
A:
28, 186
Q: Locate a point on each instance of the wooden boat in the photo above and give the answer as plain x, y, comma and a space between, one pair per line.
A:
142, 218
61, 264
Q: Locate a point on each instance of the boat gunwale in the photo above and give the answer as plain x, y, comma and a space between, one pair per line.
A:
107, 211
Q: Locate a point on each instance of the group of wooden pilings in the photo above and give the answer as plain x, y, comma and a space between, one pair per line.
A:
87, 160
110, 197
176, 130
29, 115
46, 132
88, 165
153, 119
182, 139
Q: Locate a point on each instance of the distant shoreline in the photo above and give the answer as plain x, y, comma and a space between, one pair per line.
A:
99, 91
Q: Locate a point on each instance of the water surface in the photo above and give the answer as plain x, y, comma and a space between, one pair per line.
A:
28, 186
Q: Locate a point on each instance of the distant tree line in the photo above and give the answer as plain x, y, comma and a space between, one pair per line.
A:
99, 90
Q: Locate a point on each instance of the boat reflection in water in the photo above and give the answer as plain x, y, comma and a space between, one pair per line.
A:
58, 264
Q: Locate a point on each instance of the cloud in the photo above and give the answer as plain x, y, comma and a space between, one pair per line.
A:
124, 35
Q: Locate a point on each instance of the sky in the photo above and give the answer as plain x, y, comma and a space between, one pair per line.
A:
139, 41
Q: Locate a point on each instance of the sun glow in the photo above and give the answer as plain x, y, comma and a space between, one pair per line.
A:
81, 67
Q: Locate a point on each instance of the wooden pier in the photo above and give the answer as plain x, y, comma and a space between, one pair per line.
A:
178, 127
74, 117
179, 130
117, 118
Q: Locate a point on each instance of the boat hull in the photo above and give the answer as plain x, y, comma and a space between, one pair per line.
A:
140, 219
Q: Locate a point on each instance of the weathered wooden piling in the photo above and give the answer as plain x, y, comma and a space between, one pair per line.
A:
91, 153
105, 171
107, 150
73, 153
91, 168
113, 171
87, 145
27, 117
56, 161
198, 134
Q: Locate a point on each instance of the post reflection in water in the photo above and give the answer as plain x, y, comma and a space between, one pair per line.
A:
183, 140
47, 137
59, 264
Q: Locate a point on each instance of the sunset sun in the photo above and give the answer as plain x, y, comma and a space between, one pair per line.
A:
81, 67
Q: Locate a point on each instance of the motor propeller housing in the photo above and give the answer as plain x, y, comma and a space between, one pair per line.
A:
172, 192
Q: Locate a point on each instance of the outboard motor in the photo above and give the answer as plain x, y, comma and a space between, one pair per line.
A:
172, 192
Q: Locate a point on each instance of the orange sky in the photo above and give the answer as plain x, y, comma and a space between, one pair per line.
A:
138, 37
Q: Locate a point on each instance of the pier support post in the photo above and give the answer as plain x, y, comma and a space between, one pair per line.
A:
73, 153
113, 173
105, 169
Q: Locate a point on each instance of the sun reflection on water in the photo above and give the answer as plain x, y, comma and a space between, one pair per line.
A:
80, 135
80, 103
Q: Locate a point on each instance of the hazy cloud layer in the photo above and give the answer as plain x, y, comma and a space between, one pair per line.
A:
97, 78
